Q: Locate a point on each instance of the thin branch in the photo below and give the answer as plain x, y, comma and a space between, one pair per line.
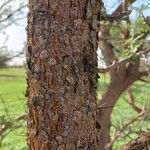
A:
5, 3
122, 62
12, 13
118, 16
146, 19
8, 124
143, 80
2, 27
121, 7
11, 57
131, 101
9, 131
113, 66
21, 117
140, 143
5, 108
143, 73
120, 131
4, 127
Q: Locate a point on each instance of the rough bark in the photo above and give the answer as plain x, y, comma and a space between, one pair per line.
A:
62, 66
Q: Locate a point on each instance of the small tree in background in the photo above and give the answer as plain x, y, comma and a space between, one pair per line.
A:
4, 57
11, 11
123, 46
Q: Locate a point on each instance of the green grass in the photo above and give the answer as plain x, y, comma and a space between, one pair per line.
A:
12, 90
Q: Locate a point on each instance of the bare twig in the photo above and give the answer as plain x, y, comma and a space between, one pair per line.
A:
143, 80
118, 133
11, 57
8, 124
141, 143
121, 62
122, 6
5, 3
131, 101
5, 108
113, 66
12, 13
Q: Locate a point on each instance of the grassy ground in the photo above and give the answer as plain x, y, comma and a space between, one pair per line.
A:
12, 104
12, 90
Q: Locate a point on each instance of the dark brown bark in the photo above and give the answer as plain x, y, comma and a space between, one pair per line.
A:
62, 66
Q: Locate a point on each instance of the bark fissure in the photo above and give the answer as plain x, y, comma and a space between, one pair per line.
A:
62, 71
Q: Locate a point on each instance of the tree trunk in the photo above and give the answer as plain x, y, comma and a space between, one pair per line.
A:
62, 71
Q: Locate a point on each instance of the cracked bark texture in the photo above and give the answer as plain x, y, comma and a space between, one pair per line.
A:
62, 71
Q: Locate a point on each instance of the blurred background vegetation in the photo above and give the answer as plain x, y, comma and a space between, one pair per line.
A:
12, 75
126, 124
